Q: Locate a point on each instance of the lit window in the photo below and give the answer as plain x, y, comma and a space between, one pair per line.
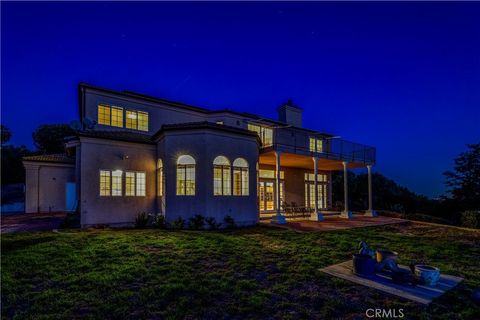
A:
265, 133
316, 145
219, 122
270, 174
137, 120
142, 121
160, 178
117, 183
140, 184
129, 183
105, 183
240, 177
221, 177
117, 117
185, 176
310, 190
135, 183
131, 120
103, 114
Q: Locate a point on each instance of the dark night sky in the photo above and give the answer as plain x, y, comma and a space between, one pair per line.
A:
404, 77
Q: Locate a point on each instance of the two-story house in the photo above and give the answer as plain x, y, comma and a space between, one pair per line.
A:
134, 153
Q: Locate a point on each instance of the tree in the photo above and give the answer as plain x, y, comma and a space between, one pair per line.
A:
387, 194
464, 181
12, 166
49, 138
5, 135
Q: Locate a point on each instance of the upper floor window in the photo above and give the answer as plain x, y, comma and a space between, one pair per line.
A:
110, 115
265, 133
160, 177
240, 177
137, 120
110, 183
117, 117
185, 176
221, 177
316, 145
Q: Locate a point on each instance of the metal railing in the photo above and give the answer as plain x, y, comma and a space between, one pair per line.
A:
332, 148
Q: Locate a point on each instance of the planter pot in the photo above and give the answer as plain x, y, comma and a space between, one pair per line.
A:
363, 265
383, 254
428, 274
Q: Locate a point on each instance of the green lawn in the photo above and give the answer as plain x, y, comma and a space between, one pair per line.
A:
251, 273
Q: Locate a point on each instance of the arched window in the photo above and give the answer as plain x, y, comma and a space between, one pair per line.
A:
221, 177
160, 177
240, 177
185, 176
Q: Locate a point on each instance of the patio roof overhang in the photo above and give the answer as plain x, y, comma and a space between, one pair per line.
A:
303, 161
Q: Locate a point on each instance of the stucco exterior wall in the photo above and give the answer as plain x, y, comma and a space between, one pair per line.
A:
45, 185
204, 146
158, 114
96, 155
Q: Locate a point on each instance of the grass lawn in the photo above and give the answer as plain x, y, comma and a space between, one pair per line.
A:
260, 273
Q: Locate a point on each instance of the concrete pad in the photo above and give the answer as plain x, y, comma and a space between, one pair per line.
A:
337, 223
382, 281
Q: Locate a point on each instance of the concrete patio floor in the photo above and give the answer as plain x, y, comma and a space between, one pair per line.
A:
337, 223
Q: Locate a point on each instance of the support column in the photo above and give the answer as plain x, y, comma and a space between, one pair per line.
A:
278, 218
370, 212
345, 213
316, 215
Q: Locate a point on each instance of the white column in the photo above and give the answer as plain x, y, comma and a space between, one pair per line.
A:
370, 212
316, 215
346, 213
278, 218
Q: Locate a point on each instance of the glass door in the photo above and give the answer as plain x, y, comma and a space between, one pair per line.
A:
269, 196
266, 194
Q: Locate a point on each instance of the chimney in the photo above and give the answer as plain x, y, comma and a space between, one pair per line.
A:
290, 114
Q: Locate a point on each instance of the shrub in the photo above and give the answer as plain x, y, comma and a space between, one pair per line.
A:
471, 219
72, 220
141, 220
196, 222
212, 223
178, 223
159, 221
229, 222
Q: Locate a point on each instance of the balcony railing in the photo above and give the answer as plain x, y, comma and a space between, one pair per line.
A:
332, 148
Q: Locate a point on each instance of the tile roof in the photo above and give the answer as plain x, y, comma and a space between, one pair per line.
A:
135, 95
57, 158
126, 136
203, 125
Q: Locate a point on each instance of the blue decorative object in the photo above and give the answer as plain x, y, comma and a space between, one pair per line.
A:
365, 249
428, 274
363, 265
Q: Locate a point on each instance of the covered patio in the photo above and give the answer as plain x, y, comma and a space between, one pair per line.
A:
292, 190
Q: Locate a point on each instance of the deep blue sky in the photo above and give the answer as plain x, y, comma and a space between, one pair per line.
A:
404, 77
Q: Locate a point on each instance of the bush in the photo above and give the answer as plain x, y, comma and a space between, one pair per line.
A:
141, 220
196, 222
212, 223
159, 221
178, 224
229, 222
72, 220
471, 219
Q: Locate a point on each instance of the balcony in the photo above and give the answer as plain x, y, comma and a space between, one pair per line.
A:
299, 142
